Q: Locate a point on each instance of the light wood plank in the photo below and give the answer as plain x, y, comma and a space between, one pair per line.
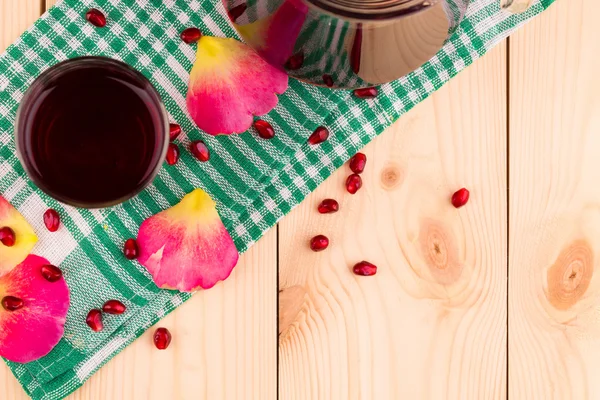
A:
225, 339
15, 17
432, 323
554, 294
50, 3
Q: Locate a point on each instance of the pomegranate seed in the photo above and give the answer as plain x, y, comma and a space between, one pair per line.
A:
319, 135
460, 198
7, 236
328, 206
114, 307
51, 273
130, 249
12, 303
162, 338
200, 151
295, 62
358, 162
191, 35
353, 183
366, 93
264, 129
96, 18
172, 154
94, 320
364, 268
327, 80
174, 131
51, 220
319, 243
356, 51
237, 12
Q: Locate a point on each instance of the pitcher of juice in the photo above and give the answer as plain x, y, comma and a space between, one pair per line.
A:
346, 43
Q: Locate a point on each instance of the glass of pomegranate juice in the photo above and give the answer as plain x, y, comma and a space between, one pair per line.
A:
91, 132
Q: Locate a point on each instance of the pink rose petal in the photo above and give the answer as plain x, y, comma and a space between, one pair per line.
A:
229, 84
187, 246
24, 235
275, 37
31, 332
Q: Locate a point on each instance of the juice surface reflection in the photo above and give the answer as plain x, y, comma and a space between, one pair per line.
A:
90, 134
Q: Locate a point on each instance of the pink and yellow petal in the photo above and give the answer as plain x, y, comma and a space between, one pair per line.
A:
275, 36
24, 234
187, 246
229, 84
31, 332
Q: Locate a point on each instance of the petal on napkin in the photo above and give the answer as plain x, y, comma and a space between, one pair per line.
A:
187, 246
26, 238
31, 332
229, 84
275, 36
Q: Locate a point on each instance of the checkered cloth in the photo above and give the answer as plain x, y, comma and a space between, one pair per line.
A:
255, 182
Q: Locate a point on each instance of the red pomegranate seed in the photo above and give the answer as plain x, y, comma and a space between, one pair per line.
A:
94, 320
237, 12
328, 206
130, 249
96, 18
264, 129
319, 243
51, 220
51, 273
364, 268
353, 183
319, 135
460, 198
327, 80
162, 338
114, 307
12, 303
358, 162
191, 35
174, 131
7, 236
200, 151
356, 51
366, 93
295, 62
172, 154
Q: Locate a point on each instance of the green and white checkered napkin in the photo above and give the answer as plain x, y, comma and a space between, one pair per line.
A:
255, 182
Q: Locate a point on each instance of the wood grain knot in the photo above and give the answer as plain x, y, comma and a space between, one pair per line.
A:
291, 301
391, 176
570, 275
440, 252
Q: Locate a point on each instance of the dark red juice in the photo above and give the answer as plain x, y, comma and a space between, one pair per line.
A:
92, 132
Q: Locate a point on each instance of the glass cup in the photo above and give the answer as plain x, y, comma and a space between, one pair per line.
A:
91, 132
346, 43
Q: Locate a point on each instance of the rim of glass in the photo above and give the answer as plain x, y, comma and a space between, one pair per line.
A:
67, 65
373, 10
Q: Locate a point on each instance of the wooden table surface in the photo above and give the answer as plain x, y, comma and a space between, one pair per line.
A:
499, 298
